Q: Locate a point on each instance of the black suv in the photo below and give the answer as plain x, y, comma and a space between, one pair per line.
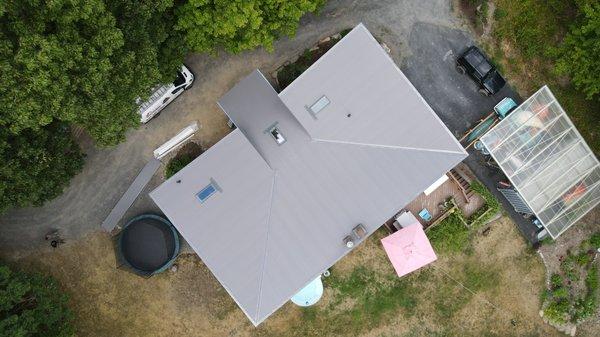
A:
474, 63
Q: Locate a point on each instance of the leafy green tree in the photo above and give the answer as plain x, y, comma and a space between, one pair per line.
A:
148, 31
238, 25
55, 61
83, 62
36, 164
32, 305
580, 50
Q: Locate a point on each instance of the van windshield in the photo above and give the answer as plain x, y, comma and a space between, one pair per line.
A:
179, 80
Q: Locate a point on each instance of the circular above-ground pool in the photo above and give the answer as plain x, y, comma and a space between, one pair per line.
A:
148, 244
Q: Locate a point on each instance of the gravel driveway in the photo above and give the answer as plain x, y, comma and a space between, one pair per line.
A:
424, 37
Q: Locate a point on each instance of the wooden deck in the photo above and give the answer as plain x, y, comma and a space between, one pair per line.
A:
442, 193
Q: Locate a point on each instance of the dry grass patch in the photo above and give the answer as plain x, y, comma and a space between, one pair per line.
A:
363, 297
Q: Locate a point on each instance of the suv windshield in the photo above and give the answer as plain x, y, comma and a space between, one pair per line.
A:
179, 80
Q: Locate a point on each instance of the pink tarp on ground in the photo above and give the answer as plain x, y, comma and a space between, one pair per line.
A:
408, 249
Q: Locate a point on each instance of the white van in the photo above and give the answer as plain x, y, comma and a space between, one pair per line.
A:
165, 94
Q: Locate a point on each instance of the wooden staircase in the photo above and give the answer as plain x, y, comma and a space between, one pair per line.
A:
463, 184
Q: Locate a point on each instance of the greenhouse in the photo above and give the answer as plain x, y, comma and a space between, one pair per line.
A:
547, 161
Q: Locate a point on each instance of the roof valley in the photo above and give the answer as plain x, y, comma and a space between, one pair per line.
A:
264, 260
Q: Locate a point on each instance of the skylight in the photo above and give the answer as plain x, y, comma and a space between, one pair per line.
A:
319, 105
206, 192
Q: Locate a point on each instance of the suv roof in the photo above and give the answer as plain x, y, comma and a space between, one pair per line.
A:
478, 61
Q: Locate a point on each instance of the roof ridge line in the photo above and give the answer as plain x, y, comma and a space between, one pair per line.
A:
383, 146
268, 223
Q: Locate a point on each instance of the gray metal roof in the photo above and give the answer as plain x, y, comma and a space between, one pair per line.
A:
282, 210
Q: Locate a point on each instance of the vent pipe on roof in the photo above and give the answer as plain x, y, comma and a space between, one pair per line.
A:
348, 242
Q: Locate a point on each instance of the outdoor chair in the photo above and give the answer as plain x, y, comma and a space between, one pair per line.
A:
425, 215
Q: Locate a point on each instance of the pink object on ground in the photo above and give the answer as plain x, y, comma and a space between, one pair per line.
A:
408, 249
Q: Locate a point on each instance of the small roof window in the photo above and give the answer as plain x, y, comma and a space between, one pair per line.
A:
207, 191
319, 105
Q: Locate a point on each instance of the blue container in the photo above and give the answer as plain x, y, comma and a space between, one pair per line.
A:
504, 107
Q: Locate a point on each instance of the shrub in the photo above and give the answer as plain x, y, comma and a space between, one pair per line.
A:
561, 293
564, 303
584, 308
500, 14
583, 258
451, 235
545, 295
570, 267
579, 51
32, 305
591, 281
177, 163
595, 240
492, 206
555, 281
558, 311
587, 306
288, 73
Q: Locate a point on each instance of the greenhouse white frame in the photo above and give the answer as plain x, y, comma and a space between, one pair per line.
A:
547, 161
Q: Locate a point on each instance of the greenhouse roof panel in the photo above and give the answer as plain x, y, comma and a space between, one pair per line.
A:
547, 161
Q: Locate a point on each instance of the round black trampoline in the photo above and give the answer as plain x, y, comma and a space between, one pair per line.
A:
148, 244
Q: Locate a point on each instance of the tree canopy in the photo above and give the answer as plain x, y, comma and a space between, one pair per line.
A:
238, 25
36, 164
32, 305
79, 62
74, 62
580, 50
